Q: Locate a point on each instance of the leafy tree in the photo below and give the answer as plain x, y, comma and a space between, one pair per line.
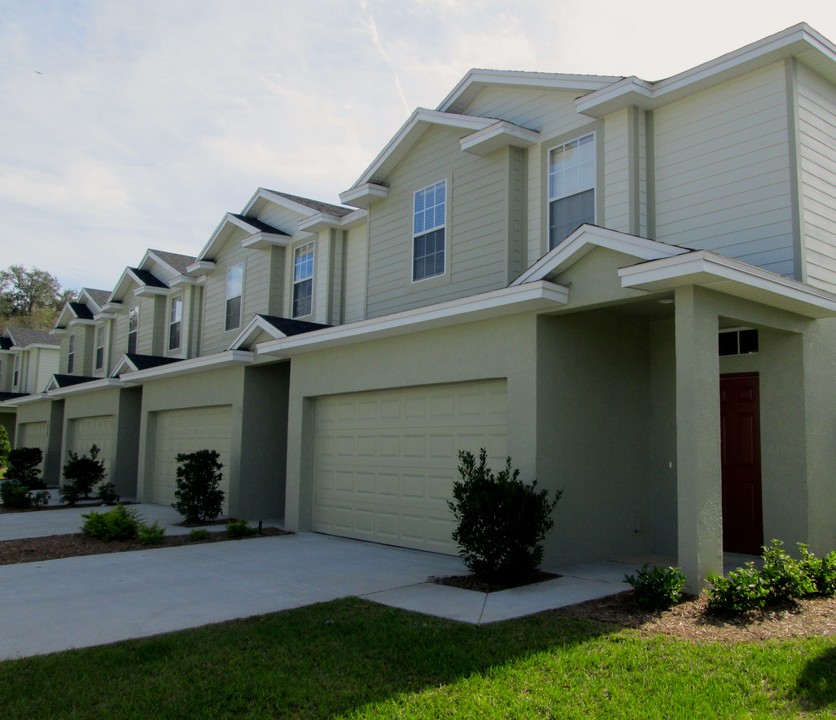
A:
5, 446
30, 298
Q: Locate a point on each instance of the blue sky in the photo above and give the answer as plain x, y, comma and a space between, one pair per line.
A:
128, 125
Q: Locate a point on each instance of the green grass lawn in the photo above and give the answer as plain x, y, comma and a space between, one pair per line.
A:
354, 659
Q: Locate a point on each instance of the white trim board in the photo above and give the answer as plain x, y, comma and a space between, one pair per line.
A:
229, 358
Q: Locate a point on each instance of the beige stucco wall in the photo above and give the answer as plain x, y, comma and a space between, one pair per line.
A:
51, 412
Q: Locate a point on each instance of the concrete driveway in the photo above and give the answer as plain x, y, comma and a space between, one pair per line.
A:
84, 601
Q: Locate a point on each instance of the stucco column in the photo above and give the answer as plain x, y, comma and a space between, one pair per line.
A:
699, 489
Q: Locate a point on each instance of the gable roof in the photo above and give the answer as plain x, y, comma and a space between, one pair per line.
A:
177, 262
24, 337
319, 206
62, 381
133, 362
97, 296
274, 326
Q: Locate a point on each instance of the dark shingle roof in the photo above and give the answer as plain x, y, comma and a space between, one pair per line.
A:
27, 336
11, 395
99, 296
322, 207
147, 278
143, 362
262, 226
177, 261
81, 311
292, 327
67, 380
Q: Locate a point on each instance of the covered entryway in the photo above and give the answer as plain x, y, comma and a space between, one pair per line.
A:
83, 433
185, 431
741, 463
385, 461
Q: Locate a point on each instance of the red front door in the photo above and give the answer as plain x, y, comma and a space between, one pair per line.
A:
741, 458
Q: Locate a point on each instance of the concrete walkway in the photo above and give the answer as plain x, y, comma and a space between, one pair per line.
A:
83, 601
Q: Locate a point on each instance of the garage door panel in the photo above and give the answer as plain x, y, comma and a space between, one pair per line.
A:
186, 431
34, 434
384, 462
84, 432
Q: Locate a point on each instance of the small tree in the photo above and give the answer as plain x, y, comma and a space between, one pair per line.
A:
23, 467
501, 520
198, 495
5, 447
84, 473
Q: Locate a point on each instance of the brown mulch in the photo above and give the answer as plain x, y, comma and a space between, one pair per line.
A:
691, 621
472, 582
54, 547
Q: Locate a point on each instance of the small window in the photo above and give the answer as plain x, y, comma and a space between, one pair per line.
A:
429, 221
100, 334
571, 187
16, 374
234, 291
743, 341
175, 320
303, 269
133, 329
71, 354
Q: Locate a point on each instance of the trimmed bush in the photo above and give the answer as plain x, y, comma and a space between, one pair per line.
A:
14, 494
657, 588
501, 521
821, 571
23, 467
106, 492
783, 575
151, 534
239, 529
69, 494
198, 495
117, 524
85, 472
741, 590
198, 534
5, 447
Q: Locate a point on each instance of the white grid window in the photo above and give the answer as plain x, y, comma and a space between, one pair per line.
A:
71, 354
234, 291
303, 270
133, 328
100, 334
175, 322
571, 187
429, 231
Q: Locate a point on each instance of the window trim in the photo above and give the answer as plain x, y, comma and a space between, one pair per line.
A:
134, 311
177, 299
99, 351
443, 227
227, 326
71, 354
294, 282
556, 144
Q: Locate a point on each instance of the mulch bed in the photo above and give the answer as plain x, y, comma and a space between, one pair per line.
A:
54, 547
472, 582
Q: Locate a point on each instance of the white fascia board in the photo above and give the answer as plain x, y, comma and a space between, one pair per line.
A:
632, 91
261, 240
587, 238
733, 277
92, 386
183, 281
321, 221
58, 331
408, 135
150, 290
364, 195
228, 219
105, 316
121, 366
80, 321
256, 326
89, 302
127, 278
150, 254
41, 346
533, 297
112, 306
67, 314
225, 359
475, 79
500, 134
25, 400
201, 267
287, 203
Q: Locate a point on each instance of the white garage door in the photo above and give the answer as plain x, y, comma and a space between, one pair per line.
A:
384, 462
184, 431
83, 433
33, 434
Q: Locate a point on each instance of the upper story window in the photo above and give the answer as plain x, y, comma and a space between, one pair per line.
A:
571, 187
303, 269
100, 343
429, 222
234, 291
71, 354
175, 321
16, 373
133, 328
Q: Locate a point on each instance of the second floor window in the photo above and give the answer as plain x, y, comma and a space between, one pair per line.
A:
71, 354
303, 264
234, 291
133, 328
100, 343
429, 219
16, 374
175, 321
571, 187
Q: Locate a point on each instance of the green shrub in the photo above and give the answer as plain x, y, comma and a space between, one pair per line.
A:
198, 534
69, 493
14, 494
240, 529
821, 571
657, 588
106, 492
23, 467
85, 472
783, 575
501, 521
198, 495
741, 590
40, 498
151, 534
5, 447
117, 524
